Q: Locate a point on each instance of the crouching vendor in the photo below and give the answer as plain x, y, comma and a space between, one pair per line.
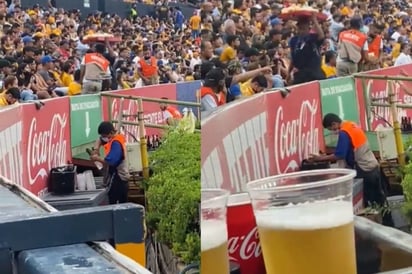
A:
353, 151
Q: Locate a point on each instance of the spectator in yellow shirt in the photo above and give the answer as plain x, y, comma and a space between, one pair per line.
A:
10, 97
253, 86
75, 88
329, 67
194, 23
230, 50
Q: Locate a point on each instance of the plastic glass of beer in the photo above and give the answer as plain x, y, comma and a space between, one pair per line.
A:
305, 222
213, 228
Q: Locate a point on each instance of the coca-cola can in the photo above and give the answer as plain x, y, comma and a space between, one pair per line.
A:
243, 239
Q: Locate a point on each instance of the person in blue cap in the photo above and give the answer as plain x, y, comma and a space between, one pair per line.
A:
28, 41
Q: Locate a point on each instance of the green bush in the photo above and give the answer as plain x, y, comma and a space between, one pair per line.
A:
173, 194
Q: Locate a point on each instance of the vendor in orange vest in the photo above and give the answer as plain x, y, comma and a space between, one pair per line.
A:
375, 49
147, 68
170, 114
115, 158
352, 48
212, 92
353, 151
94, 69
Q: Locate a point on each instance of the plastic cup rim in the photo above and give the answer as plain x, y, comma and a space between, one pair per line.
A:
347, 174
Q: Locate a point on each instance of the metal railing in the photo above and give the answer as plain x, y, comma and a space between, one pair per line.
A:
141, 124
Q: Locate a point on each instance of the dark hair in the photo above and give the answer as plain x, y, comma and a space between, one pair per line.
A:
261, 81
105, 127
329, 119
329, 55
14, 92
77, 75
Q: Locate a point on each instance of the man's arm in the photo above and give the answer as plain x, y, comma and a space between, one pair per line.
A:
341, 151
114, 157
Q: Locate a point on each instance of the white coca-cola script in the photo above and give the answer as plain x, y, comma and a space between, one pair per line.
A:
380, 114
295, 138
46, 148
130, 107
10, 153
245, 247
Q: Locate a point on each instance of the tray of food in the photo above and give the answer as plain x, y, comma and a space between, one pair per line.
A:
101, 37
297, 12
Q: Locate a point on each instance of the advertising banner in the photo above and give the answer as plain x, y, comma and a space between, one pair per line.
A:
85, 117
338, 96
46, 142
152, 112
235, 144
11, 145
294, 127
188, 92
377, 90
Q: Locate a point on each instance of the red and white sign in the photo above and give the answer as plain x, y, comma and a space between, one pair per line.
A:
235, 145
243, 238
295, 127
47, 141
152, 112
378, 91
11, 145
261, 136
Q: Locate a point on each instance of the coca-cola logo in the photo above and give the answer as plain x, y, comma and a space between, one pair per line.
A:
245, 247
46, 148
296, 138
380, 95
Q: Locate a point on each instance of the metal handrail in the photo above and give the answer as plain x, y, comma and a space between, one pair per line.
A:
148, 99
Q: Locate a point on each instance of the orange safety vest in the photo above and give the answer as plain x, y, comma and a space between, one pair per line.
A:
98, 60
208, 91
148, 70
375, 46
356, 134
175, 113
118, 137
353, 37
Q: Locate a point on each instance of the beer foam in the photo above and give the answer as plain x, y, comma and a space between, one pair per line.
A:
306, 216
213, 233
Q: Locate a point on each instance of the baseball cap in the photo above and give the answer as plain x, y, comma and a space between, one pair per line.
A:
276, 21
46, 59
27, 39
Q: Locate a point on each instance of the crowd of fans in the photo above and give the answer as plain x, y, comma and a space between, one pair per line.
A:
250, 46
43, 52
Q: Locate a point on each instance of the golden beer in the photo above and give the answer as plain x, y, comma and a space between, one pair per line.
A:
214, 251
311, 238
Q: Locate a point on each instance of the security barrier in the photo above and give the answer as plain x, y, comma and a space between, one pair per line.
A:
32, 141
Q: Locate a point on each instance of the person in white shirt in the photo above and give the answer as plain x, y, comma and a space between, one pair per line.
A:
405, 55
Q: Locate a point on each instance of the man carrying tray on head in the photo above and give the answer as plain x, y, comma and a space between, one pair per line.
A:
353, 151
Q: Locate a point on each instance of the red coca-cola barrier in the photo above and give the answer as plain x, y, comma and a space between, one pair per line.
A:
152, 112
261, 136
378, 89
46, 141
243, 238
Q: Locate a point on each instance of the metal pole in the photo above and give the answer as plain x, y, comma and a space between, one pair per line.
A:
382, 77
143, 144
367, 103
132, 123
396, 126
388, 105
120, 118
147, 99
109, 102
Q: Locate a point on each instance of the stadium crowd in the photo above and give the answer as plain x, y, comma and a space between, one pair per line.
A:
250, 46
47, 52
